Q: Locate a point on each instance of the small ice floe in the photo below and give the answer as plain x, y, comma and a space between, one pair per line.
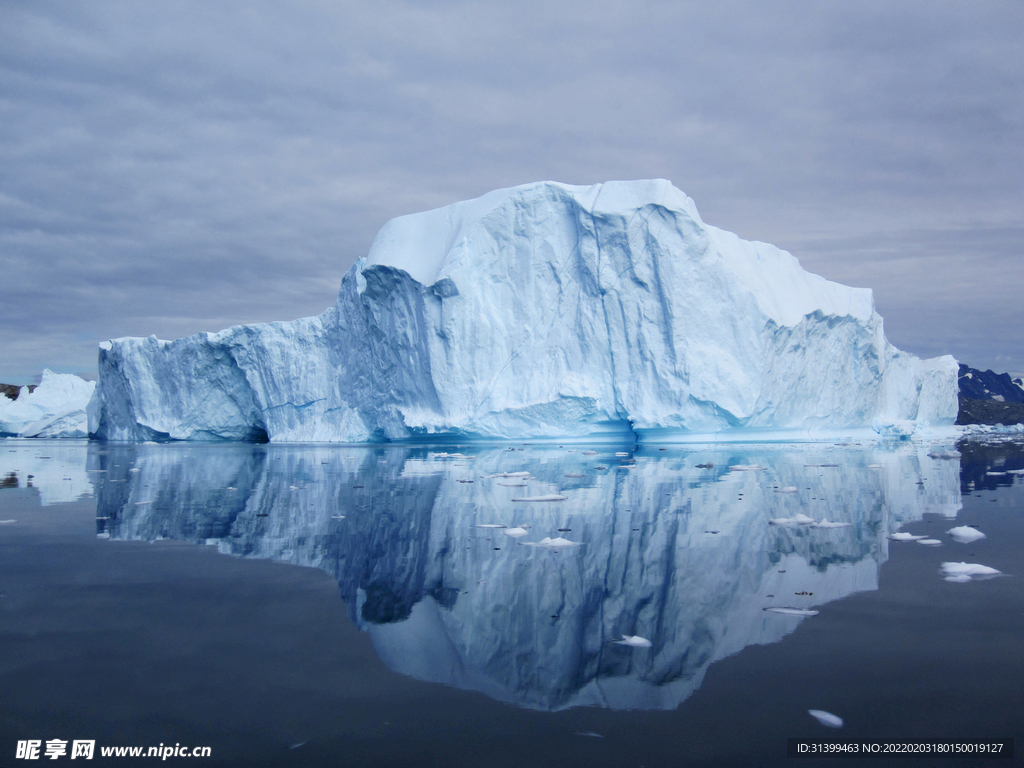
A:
7, 522
337, 517
633, 641
746, 468
142, 503
515, 533
1015, 471
590, 453
231, 488
826, 718
930, 542
134, 469
944, 455
874, 466
995, 474
622, 453
965, 534
963, 572
545, 497
150, 442
787, 611
792, 522
905, 537
490, 525
513, 485
103, 518
787, 489
829, 524
511, 474
105, 535
552, 544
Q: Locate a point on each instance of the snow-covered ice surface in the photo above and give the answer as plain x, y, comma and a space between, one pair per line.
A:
680, 556
57, 408
545, 311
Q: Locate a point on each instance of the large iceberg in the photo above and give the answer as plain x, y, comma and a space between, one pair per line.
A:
542, 311
56, 408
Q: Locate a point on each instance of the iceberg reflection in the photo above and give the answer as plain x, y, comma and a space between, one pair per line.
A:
668, 551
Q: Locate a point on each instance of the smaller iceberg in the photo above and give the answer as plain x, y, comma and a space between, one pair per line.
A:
963, 572
56, 408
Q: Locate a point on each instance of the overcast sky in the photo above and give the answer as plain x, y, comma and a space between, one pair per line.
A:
175, 167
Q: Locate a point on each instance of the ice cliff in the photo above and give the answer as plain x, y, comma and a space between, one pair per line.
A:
542, 311
57, 408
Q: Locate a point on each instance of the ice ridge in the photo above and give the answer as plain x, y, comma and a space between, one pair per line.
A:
545, 311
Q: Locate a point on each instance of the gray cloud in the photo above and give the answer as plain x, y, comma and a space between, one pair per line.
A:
180, 167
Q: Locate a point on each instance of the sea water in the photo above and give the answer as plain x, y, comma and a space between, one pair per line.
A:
497, 604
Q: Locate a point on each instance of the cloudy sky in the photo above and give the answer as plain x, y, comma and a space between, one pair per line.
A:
175, 167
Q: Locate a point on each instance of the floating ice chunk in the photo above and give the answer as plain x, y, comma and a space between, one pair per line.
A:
1015, 471
491, 525
337, 517
746, 468
553, 544
905, 537
965, 534
930, 542
621, 453
790, 522
634, 641
511, 474
829, 524
134, 469
961, 572
874, 466
826, 718
545, 497
995, 474
7, 522
792, 611
787, 489
142, 503
515, 533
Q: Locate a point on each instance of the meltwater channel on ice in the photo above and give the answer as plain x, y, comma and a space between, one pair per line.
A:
545, 311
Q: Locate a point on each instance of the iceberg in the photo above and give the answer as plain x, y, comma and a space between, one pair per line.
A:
56, 408
544, 311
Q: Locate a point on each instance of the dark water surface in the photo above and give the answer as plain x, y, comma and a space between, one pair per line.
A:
211, 595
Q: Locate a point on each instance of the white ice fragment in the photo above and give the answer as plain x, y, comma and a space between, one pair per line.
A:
7, 522
142, 503
134, 469
964, 534
746, 468
826, 718
514, 485
787, 489
516, 532
337, 517
874, 466
634, 641
792, 611
790, 522
905, 537
622, 453
995, 474
829, 524
930, 542
546, 497
1015, 471
553, 544
961, 572
511, 474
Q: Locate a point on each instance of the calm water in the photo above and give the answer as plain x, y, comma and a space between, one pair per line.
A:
300, 605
